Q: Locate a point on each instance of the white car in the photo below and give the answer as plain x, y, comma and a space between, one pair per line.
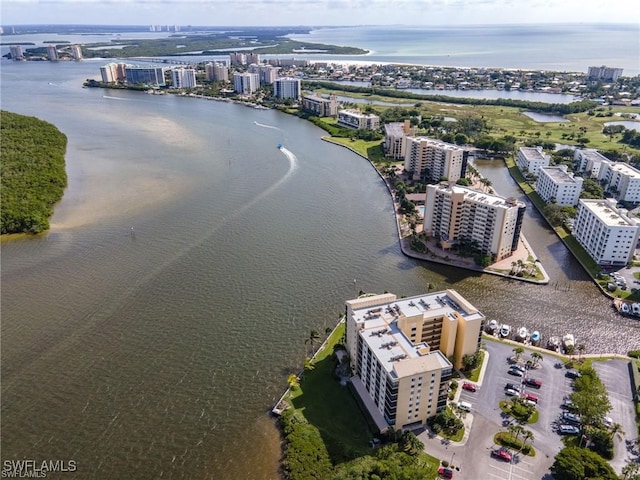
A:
511, 392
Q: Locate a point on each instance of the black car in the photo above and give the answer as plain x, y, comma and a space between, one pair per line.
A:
573, 374
512, 386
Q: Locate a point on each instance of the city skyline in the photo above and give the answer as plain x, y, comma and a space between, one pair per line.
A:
313, 12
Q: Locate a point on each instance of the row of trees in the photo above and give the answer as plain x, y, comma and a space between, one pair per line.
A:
32, 173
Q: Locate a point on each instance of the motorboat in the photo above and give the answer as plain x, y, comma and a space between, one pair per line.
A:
505, 330
493, 326
635, 308
535, 338
522, 334
568, 341
553, 343
625, 308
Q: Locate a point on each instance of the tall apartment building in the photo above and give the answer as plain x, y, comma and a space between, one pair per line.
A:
453, 213
555, 183
237, 59
267, 74
589, 160
76, 52
622, 180
608, 74
530, 159
394, 134
399, 350
323, 107
216, 72
287, 87
253, 58
430, 159
183, 78
144, 75
16, 52
607, 233
113, 72
52, 53
245, 83
358, 120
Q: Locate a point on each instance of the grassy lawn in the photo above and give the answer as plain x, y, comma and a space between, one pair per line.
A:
332, 408
475, 373
372, 150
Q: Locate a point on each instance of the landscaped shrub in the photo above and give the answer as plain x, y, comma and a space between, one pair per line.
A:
305, 455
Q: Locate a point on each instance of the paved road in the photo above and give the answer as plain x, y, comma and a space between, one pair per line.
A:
472, 458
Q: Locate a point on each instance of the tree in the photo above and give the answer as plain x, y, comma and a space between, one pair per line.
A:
537, 358
527, 435
308, 363
574, 463
411, 444
581, 348
631, 471
314, 336
293, 381
516, 431
518, 351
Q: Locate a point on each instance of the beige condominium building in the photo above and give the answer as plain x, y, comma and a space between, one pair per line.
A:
430, 159
400, 348
454, 214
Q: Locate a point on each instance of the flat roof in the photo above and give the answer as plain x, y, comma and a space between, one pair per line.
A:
559, 175
608, 214
533, 153
395, 129
437, 143
478, 196
625, 169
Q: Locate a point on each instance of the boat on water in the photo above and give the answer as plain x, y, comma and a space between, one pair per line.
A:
279, 146
553, 343
568, 341
625, 308
505, 330
492, 327
635, 308
535, 338
522, 334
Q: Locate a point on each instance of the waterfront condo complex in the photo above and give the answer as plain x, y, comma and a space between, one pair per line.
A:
557, 185
430, 159
530, 159
400, 350
453, 214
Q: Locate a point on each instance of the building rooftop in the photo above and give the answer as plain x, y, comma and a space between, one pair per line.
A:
480, 197
560, 175
608, 214
625, 169
394, 129
591, 154
437, 143
533, 153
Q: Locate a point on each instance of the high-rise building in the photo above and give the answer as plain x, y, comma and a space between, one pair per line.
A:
434, 160
557, 185
608, 74
323, 107
183, 77
394, 134
588, 160
621, 180
237, 59
607, 233
217, 72
52, 53
253, 58
399, 350
76, 52
16, 52
267, 74
245, 83
284, 88
455, 214
145, 75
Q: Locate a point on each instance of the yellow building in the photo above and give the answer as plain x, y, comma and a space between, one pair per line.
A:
400, 349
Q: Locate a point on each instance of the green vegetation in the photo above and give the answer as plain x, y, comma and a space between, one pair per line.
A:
33, 174
511, 439
575, 463
472, 364
520, 410
448, 425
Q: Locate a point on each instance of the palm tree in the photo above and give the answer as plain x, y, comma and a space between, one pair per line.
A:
581, 348
537, 358
293, 381
314, 336
616, 429
518, 351
516, 430
526, 435
308, 363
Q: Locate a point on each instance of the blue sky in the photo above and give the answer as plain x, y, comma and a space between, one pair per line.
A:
316, 12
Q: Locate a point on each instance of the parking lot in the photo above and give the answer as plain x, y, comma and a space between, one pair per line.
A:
474, 458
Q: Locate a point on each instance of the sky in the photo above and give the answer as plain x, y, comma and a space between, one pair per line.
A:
315, 12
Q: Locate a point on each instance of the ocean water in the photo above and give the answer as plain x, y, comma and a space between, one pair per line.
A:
558, 47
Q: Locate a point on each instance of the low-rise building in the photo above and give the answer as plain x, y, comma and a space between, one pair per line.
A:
622, 180
358, 120
530, 159
607, 233
323, 107
399, 349
557, 185
429, 159
589, 161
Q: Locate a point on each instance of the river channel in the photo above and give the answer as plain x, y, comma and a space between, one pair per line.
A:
150, 331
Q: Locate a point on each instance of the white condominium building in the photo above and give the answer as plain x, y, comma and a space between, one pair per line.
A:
323, 107
113, 72
607, 233
287, 88
52, 52
183, 77
245, 83
399, 349
429, 159
622, 180
217, 72
589, 160
604, 73
358, 120
394, 134
267, 74
76, 52
453, 213
530, 159
16, 52
557, 185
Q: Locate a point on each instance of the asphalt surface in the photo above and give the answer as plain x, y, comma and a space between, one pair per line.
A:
472, 457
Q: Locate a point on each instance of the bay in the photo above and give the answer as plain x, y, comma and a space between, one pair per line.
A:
158, 354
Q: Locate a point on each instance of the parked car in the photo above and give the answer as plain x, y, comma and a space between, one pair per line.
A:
533, 382
532, 397
445, 472
502, 454
568, 430
511, 392
573, 374
517, 366
571, 418
568, 405
607, 422
512, 386
516, 372
472, 387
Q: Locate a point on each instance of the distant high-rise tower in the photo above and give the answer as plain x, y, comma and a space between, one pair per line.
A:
16, 52
76, 52
52, 53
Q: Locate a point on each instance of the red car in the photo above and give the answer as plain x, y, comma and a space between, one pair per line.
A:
531, 397
469, 386
502, 454
445, 472
533, 382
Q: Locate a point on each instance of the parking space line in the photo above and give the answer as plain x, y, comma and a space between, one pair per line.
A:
498, 468
496, 476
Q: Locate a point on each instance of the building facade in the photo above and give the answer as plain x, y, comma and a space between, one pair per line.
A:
323, 107
183, 78
16, 52
144, 75
52, 53
113, 72
399, 351
76, 52
607, 233
621, 180
245, 83
394, 133
429, 159
284, 88
267, 74
556, 185
455, 214
216, 72
358, 120
236, 59
530, 159
589, 161
608, 74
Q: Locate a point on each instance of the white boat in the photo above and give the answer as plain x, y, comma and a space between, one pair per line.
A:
568, 341
553, 343
505, 330
625, 308
635, 308
522, 334
535, 338
493, 326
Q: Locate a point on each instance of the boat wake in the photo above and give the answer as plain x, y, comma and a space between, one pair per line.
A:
267, 126
114, 98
